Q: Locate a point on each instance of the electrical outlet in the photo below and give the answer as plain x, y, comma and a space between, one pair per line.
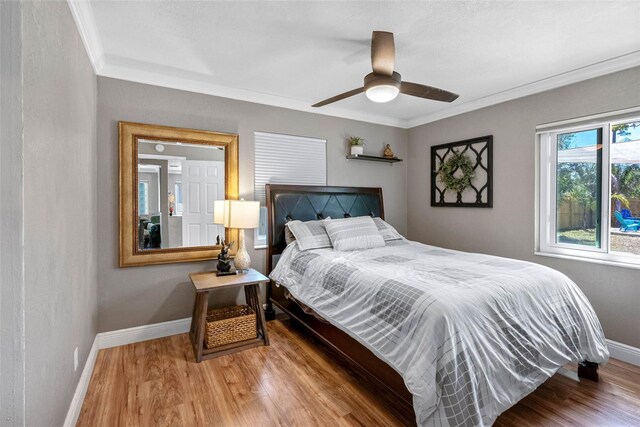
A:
75, 359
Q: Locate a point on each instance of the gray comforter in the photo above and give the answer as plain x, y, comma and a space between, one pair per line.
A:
470, 334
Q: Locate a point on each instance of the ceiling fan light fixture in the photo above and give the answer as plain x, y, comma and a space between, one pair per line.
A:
384, 84
382, 93
379, 88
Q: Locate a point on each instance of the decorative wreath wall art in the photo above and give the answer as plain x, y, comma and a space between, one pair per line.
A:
461, 173
447, 172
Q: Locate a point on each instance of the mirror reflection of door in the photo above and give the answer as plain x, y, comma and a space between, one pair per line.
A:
177, 185
202, 184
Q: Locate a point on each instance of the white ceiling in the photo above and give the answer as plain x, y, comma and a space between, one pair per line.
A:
293, 54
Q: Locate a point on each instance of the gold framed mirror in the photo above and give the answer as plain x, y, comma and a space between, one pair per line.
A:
169, 180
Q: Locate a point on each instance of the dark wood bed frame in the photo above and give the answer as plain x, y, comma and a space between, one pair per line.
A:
305, 203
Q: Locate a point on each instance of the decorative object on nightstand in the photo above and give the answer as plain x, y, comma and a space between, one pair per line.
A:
357, 145
240, 214
224, 261
228, 325
223, 268
388, 153
216, 332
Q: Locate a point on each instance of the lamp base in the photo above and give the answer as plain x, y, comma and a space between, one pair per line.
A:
242, 260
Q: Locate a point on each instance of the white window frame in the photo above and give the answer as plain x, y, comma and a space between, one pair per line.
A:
179, 206
546, 163
286, 149
145, 184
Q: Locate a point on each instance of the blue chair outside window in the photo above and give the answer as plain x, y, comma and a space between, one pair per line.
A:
626, 214
626, 224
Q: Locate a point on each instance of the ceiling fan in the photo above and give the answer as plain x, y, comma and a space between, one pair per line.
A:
384, 84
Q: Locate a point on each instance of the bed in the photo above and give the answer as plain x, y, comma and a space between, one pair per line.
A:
455, 338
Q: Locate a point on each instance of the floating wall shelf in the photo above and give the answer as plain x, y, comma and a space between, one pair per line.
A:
373, 158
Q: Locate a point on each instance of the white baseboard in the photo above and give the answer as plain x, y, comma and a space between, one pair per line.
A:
624, 352
114, 339
143, 333
83, 385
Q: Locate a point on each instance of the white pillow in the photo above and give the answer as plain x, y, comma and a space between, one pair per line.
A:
310, 234
387, 230
350, 234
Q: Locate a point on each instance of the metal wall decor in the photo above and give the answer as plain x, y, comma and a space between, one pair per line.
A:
462, 173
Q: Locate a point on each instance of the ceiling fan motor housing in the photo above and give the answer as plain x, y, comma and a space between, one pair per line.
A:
382, 88
373, 79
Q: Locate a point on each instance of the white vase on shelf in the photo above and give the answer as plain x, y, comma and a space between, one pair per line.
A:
357, 150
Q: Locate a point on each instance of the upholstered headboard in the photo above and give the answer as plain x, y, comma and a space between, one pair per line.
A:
306, 203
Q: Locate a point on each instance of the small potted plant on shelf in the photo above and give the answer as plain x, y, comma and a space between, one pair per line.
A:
357, 145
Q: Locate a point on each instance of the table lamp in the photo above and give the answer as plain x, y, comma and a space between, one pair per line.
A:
218, 211
240, 214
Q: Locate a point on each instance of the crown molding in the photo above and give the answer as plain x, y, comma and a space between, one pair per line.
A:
141, 72
86, 24
585, 73
124, 69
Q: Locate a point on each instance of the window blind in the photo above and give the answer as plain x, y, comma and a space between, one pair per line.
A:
287, 159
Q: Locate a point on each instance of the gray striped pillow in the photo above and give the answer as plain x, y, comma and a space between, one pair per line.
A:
310, 234
350, 234
386, 229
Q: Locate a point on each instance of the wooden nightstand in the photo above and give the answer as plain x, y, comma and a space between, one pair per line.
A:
204, 283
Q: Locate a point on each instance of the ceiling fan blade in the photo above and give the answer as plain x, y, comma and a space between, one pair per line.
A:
383, 53
339, 97
428, 92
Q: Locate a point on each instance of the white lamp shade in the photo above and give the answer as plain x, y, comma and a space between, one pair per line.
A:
236, 213
242, 214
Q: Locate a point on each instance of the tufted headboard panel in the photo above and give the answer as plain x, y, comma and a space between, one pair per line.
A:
306, 203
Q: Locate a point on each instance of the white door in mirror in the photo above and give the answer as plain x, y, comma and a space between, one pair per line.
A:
202, 183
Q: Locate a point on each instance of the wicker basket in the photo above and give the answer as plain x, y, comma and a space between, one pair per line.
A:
230, 324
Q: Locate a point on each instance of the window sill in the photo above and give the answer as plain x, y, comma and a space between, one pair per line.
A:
260, 246
635, 266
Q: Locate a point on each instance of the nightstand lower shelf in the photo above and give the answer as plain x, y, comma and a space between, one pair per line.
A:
210, 353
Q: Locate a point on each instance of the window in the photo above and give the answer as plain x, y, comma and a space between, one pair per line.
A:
143, 198
589, 190
177, 190
285, 159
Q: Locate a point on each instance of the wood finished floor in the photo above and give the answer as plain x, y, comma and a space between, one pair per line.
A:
299, 382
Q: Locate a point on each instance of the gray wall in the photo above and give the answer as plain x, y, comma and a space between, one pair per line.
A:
60, 92
508, 229
142, 295
11, 218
